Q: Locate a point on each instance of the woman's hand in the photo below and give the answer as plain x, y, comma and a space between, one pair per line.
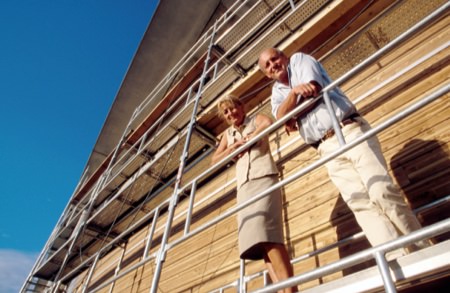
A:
237, 145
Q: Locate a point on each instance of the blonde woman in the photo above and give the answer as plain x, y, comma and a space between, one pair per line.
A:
260, 225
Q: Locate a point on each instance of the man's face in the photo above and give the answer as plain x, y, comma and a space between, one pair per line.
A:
274, 65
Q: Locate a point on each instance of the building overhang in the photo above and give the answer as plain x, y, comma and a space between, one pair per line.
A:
173, 29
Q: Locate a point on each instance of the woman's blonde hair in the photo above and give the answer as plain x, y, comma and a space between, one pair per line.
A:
228, 100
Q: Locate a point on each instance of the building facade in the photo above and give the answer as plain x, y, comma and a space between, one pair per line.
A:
152, 214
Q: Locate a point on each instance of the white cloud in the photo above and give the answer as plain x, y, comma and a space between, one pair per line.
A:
14, 268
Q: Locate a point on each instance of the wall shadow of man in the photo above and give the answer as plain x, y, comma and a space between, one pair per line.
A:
345, 224
422, 170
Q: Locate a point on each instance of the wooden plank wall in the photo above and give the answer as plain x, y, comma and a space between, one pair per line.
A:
417, 151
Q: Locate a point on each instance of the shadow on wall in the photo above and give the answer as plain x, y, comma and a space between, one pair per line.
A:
345, 224
422, 170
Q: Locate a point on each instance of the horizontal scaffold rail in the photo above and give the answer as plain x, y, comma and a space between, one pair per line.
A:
99, 192
103, 190
423, 233
373, 132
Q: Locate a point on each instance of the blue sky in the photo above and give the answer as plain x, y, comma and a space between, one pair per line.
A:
61, 65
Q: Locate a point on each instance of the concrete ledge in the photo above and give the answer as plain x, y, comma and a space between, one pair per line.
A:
426, 262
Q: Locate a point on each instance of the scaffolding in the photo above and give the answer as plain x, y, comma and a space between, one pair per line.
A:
143, 178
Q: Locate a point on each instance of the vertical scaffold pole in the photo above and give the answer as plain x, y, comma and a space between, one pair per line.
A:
292, 4
383, 268
242, 287
334, 120
79, 229
118, 267
90, 274
190, 207
162, 251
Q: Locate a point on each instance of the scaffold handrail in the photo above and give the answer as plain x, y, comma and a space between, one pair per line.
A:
359, 257
339, 243
331, 86
116, 240
192, 51
202, 41
388, 47
112, 162
375, 130
264, 19
119, 238
280, 122
110, 165
138, 142
221, 59
276, 125
266, 33
372, 132
161, 253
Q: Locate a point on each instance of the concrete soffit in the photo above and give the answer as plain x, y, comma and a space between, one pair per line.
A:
174, 28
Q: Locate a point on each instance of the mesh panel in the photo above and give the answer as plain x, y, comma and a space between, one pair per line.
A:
308, 9
349, 56
220, 84
400, 19
281, 32
249, 59
243, 26
380, 33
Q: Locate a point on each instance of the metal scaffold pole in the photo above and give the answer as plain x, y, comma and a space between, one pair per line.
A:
65, 217
79, 229
162, 251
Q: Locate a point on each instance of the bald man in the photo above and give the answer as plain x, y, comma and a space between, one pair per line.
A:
361, 173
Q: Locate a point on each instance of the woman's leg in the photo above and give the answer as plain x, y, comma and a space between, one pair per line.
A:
269, 267
278, 263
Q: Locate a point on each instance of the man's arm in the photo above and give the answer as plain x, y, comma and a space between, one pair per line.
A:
304, 90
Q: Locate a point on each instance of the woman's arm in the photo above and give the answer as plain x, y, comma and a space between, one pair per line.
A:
223, 150
261, 122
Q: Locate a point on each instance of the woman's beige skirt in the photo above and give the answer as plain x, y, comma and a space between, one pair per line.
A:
261, 222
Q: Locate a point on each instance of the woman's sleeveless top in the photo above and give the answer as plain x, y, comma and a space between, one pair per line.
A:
257, 161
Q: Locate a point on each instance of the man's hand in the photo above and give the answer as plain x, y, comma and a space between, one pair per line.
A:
291, 126
310, 89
